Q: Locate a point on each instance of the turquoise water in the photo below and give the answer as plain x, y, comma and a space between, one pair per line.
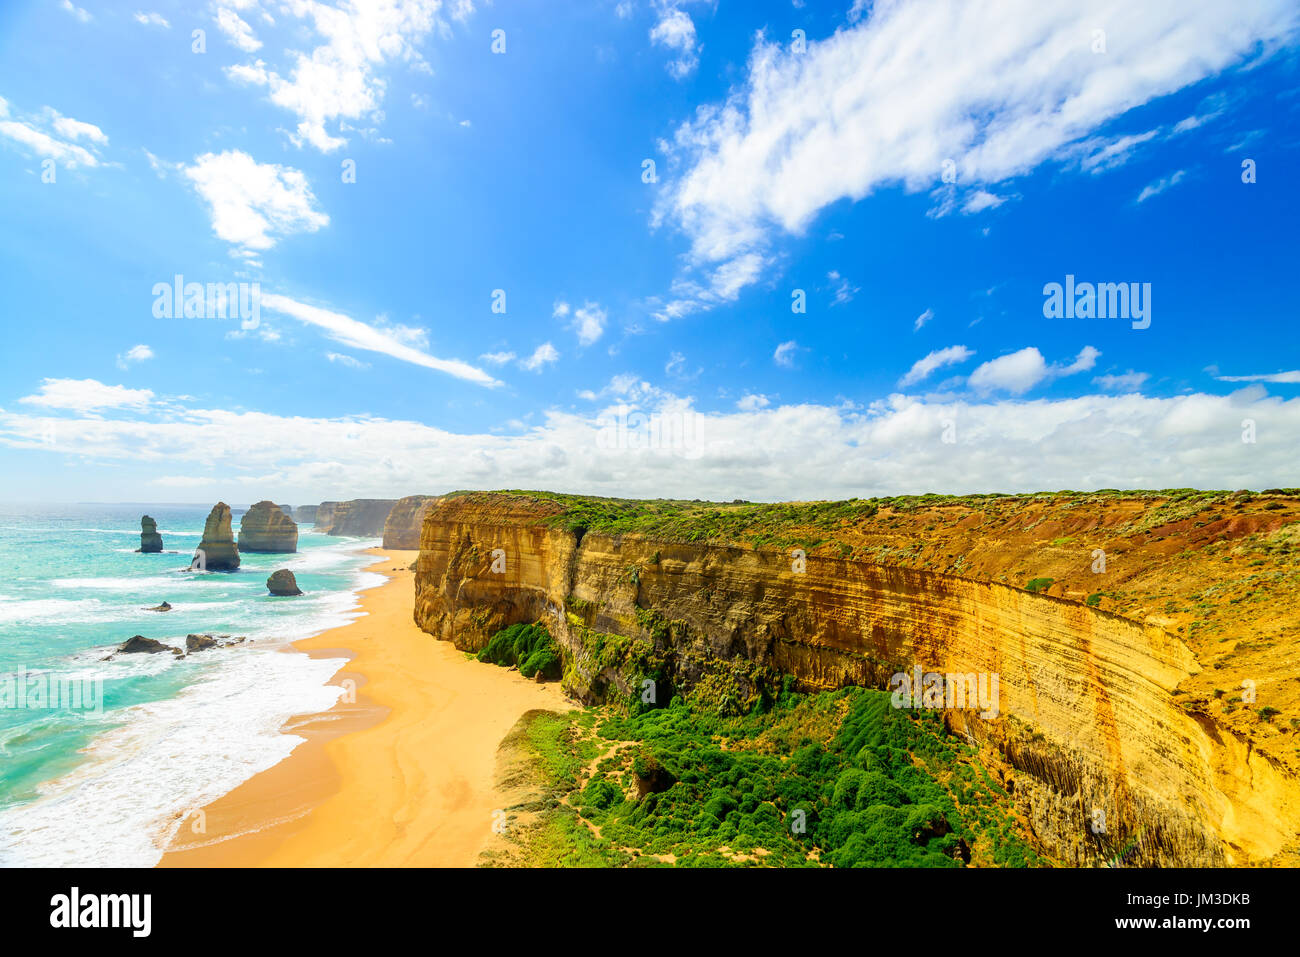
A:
107, 777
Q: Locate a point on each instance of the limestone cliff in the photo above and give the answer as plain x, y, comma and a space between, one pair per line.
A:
363, 517
266, 528
305, 514
217, 550
1103, 750
150, 540
402, 528
324, 516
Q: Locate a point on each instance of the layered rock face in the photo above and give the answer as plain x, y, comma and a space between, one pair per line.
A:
217, 551
1100, 757
402, 527
150, 540
266, 528
324, 516
363, 517
305, 514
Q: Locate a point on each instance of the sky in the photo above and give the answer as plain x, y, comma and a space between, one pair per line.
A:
667, 248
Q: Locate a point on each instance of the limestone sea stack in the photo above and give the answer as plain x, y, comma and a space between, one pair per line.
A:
266, 528
282, 582
217, 551
402, 528
150, 540
305, 514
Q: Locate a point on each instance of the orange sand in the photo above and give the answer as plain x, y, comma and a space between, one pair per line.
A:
402, 777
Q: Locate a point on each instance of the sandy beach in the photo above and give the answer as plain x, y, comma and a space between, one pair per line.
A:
400, 776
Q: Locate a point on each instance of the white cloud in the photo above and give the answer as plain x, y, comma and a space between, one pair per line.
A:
1019, 372
1160, 185
588, 323
785, 353
357, 335
981, 200
497, 358
87, 395
236, 30
560, 310
922, 367
254, 204
1122, 382
542, 355
152, 19
137, 353
53, 135
752, 403
779, 453
844, 290
339, 81
675, 31
998, 87
922, 319
1279, 377
76, 11
346, 360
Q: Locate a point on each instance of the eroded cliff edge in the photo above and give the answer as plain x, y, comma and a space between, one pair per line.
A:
1089, 720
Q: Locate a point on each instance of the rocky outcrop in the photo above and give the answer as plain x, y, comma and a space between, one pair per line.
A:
150, 540
282, 582
363, 517
195, 643
140, 645
163, 607
324, 516
217, 551
402, 527
305, 514
266, 528
1099, 752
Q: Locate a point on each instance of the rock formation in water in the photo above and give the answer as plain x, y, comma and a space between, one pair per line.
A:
305, 514
195, 643
282, 582
140, 645
150, 540
163, 607
1098, 713
324, 516
363, 517
217, 551
402, 527
266, 528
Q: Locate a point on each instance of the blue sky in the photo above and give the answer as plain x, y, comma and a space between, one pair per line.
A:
916, 173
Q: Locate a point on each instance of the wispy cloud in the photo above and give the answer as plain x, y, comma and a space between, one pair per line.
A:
923, 367
357, 335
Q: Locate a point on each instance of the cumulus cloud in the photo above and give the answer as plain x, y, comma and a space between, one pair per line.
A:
785, 353
340, 80
542, 356
254, 204
998, 88
1019, 372
804, 451
675, 31
922, 367
588, 323
236, 30
138, 353
87, 395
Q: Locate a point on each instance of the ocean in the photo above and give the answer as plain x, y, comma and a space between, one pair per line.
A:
107, 774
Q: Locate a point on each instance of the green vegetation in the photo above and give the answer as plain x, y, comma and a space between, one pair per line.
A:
1038, 584
836, 778
529, 647
1093, 600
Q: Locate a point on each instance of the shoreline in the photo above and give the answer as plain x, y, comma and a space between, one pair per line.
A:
403, 775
